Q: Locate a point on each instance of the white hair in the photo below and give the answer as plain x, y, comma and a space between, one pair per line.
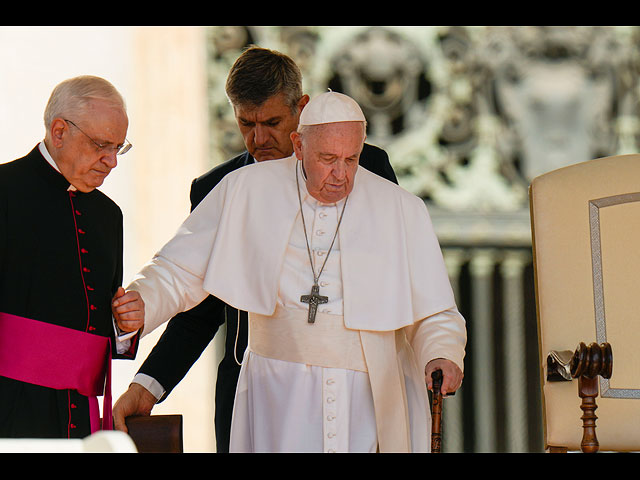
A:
71, 97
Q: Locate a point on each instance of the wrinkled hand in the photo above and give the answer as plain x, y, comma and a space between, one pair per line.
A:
451, 375
128, 310
137, 400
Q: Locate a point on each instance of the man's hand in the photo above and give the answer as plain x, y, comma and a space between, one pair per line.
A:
128, 310
137, 400
451, 375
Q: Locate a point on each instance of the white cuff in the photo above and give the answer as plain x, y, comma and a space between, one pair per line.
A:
150, 384
123, 339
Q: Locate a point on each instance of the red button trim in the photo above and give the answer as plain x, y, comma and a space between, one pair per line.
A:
91, 328
93, 307
85, 269
84, 250
78, 212
81, 232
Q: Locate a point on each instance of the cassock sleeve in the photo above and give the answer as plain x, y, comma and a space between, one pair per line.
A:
442, 335
166, 289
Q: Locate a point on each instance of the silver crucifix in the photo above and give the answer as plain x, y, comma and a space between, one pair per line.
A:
314, 299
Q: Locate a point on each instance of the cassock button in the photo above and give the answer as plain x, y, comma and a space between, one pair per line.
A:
90, 288
93, 307
78, 212
85, 269
81, 232
91, 329
84, 250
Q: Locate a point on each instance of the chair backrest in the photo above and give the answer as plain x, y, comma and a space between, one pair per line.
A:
585, 222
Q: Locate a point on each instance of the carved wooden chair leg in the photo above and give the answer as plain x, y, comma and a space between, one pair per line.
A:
588, 391
586, 365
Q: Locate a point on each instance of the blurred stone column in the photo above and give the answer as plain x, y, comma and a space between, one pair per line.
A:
481, 268
512, 271
452, 411
170, 130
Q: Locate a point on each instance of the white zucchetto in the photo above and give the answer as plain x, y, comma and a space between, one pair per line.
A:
331, 107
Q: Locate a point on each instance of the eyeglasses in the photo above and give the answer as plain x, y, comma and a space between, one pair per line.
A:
118, 149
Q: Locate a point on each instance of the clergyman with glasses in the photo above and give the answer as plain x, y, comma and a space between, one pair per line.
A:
61, 246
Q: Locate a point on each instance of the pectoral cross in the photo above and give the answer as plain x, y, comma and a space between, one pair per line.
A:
314, 299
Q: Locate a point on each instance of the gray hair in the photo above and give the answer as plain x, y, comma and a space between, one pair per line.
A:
72, 96
259, 74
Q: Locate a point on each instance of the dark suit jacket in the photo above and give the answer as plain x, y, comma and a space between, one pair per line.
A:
189, 333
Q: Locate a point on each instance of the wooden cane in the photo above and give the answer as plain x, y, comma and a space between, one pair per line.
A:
436, 412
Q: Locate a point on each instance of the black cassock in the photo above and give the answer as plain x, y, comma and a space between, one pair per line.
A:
60, 263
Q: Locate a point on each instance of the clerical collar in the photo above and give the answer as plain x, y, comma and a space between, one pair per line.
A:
47, 156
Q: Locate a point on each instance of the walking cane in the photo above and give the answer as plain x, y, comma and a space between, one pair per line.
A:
436, 412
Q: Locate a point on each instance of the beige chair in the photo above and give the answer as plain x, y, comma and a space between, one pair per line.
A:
585, 223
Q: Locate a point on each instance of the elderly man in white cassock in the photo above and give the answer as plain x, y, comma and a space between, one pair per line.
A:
350, 303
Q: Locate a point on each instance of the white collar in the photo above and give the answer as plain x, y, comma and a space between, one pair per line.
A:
47, 156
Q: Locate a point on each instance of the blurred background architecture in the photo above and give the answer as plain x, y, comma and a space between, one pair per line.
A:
468, 115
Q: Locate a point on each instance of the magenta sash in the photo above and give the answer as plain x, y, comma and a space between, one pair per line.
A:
58, 357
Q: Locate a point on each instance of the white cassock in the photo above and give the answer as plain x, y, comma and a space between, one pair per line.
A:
353, 380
